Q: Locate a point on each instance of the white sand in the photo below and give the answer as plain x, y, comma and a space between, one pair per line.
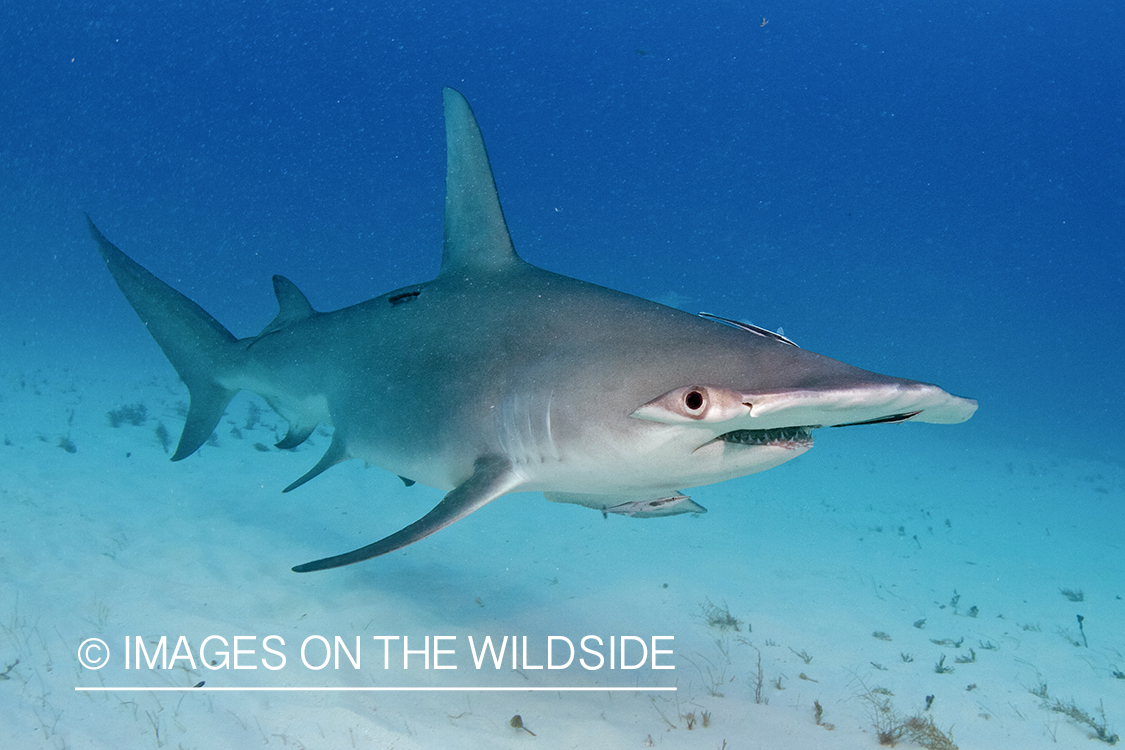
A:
875, 529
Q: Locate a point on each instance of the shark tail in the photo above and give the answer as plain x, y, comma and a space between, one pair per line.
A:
197, 345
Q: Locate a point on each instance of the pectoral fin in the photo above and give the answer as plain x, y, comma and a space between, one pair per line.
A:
492, 477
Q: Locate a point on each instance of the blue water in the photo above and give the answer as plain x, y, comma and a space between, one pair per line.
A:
931, 192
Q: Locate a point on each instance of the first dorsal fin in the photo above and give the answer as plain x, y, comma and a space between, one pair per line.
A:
476, 235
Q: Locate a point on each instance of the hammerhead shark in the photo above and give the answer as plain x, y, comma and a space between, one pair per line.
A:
498, 376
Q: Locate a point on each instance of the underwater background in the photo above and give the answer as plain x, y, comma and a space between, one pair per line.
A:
932, 191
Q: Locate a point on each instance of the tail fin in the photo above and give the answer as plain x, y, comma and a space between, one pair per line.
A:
196, 344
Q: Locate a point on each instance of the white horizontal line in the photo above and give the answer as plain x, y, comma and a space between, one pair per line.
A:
376, 689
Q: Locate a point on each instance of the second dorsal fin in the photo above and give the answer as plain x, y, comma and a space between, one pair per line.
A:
293, 306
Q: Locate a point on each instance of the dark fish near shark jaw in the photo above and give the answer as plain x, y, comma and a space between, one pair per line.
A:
498, 377
790, 437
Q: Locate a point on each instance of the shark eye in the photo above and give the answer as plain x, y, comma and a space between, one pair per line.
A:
695, 402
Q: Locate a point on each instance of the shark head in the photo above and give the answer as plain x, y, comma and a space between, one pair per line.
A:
704, 400
498, 376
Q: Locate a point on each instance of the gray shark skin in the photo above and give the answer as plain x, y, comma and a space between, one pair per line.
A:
498, 377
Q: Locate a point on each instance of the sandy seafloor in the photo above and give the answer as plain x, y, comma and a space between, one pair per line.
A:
873, 531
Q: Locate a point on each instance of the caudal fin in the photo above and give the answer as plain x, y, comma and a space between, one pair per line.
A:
197, 345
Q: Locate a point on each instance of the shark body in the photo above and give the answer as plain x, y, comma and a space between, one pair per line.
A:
498, 376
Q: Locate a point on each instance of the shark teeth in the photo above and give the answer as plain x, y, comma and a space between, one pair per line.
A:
784, 437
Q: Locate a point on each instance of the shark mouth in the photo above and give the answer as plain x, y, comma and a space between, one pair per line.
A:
780, 437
